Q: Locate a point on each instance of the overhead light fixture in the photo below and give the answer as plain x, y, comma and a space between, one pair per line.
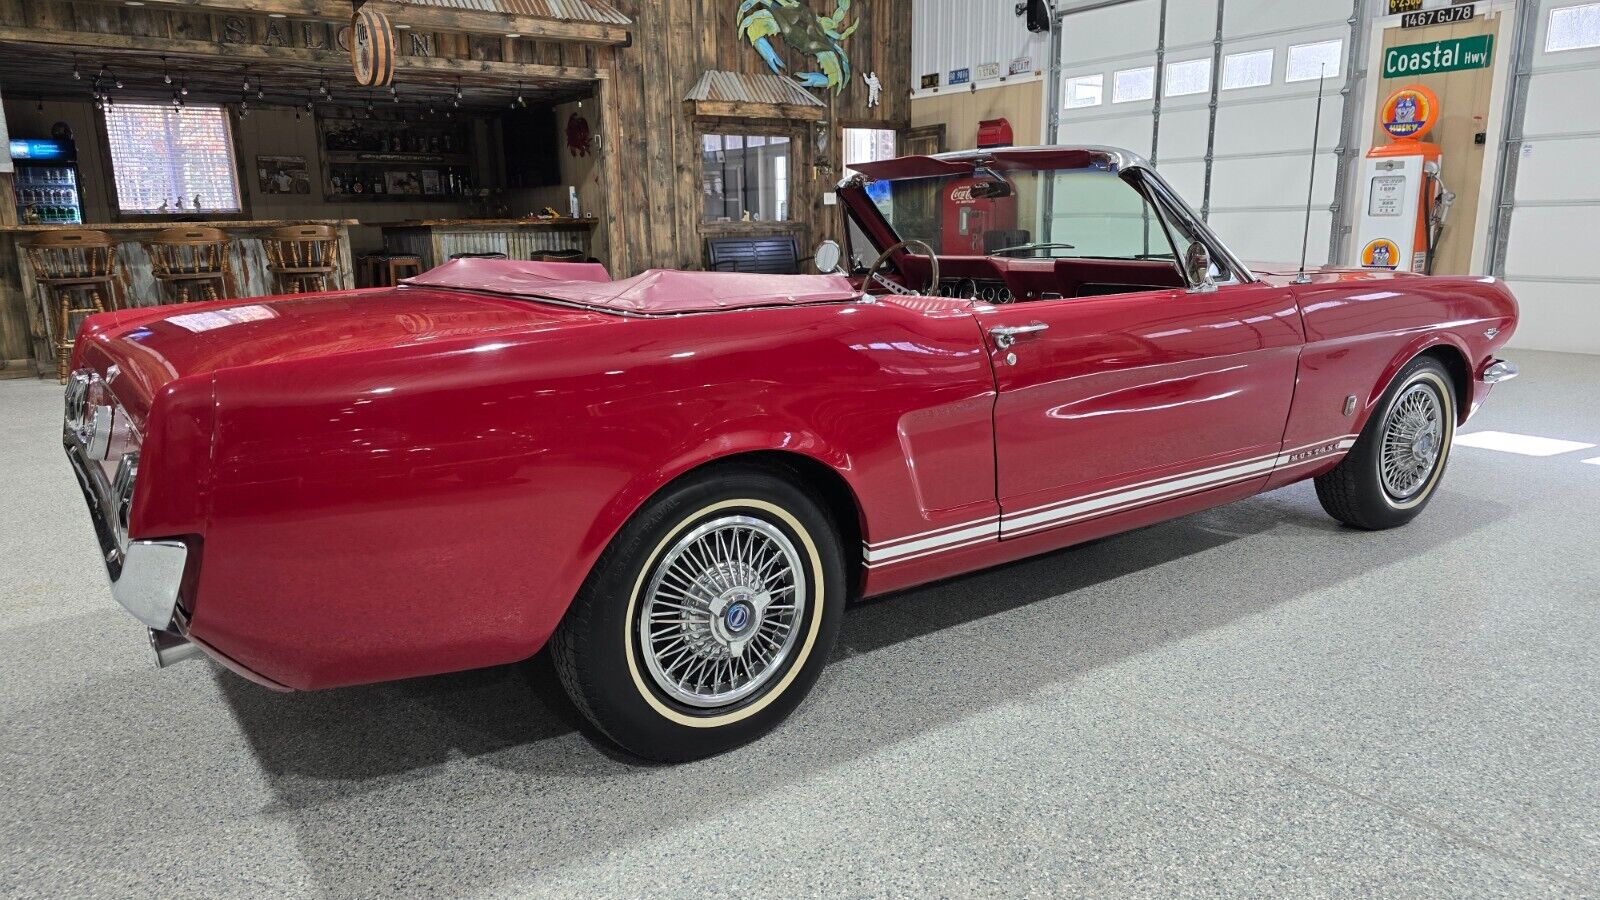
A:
40, 106
76, 75
166, 76
402, 27
133, 2
276, 16
513, 35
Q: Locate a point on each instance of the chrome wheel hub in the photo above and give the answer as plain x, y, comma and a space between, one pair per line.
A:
719, 616
1412, 442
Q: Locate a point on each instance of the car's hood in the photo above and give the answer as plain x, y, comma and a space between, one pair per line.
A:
152, 346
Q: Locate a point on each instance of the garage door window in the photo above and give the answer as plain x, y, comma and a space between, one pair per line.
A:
1308, 62
1243, 70
1085, 90
745, 177
1192, 76
1129, 85
1573, 28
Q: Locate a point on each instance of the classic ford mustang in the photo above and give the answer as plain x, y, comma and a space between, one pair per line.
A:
678, 480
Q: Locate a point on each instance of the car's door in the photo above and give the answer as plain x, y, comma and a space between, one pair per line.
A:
1111, 401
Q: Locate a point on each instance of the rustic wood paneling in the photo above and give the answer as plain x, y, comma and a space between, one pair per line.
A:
657, 193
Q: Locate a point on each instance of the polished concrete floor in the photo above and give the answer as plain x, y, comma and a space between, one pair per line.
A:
1250, 701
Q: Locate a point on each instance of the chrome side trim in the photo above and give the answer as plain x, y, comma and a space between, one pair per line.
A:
1498, 371
145, 575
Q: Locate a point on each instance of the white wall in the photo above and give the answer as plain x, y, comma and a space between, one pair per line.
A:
1550, 259
965, 34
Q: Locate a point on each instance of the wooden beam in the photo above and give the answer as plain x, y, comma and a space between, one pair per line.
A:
441, 18
88, 42
738, 109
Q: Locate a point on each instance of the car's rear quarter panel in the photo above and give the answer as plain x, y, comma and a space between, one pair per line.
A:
1363, 327
387, 514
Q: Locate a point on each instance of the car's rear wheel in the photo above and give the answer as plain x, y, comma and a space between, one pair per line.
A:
708, 618
1398, 461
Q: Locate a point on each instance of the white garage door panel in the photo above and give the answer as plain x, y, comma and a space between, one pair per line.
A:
1190, 22
1554, 106
1272, 236
1188, 179
1183, 132
1277, 125
1559, 170
1124, 30
1555, 316
1545, 241
1129, 133
1271, 181
1260, 16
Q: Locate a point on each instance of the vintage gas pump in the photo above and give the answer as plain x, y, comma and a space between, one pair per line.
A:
1406, 198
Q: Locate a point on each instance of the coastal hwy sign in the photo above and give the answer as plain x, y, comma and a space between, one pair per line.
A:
1451, 55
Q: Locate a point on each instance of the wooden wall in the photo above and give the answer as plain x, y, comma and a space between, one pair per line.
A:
1464, 97
961, 111
656, 193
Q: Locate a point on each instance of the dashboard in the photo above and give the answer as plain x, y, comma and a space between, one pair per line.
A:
985, 289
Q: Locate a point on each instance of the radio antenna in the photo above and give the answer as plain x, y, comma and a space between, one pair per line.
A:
1311, 189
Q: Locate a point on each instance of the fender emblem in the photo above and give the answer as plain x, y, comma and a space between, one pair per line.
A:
1313, 452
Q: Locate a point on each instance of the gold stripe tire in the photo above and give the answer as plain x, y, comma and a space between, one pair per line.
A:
1354, 492
596, 648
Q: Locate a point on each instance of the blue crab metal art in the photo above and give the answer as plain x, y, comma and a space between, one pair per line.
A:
818, 37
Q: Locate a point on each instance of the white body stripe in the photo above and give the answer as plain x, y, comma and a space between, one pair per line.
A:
1088, 506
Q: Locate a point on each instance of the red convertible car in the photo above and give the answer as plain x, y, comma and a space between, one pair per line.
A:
677, 481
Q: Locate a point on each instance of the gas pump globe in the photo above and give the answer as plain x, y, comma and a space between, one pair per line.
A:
1406, 201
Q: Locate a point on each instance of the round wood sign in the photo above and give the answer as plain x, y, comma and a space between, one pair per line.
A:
372, 48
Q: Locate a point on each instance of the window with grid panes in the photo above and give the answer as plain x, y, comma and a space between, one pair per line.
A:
170, 155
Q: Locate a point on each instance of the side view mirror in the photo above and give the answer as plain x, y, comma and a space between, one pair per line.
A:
827, 257
1197, 266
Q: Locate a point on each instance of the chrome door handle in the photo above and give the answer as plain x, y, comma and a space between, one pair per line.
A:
1006, 335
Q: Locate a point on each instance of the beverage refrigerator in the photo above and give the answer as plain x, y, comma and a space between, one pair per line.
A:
46, 181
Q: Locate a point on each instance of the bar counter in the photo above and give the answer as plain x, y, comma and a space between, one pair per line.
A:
22, 329
436, 240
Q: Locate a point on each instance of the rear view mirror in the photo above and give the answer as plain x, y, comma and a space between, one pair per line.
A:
990, 190
827, 257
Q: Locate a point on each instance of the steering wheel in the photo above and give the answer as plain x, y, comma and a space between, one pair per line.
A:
872, 271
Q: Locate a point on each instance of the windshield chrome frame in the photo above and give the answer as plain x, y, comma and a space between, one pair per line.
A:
1118, 161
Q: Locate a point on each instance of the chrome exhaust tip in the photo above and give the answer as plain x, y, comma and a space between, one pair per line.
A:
170, 649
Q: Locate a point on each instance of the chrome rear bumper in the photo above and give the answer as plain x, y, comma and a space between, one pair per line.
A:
145, 575
1499, 370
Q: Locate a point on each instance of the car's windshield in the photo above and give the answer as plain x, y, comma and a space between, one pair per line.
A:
1058, 213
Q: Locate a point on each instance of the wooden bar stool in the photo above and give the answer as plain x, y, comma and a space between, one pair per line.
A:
190, 257
386, 269
78, 271
302, 254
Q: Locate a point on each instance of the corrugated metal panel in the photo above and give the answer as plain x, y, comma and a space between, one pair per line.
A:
965, 34
739, 87
566, 10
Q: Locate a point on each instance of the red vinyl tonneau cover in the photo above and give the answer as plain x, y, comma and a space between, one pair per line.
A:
656, 292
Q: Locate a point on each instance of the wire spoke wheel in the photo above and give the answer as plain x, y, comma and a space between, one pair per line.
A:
720, 614
1413, 441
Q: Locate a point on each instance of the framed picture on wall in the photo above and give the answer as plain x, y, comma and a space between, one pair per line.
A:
283, 175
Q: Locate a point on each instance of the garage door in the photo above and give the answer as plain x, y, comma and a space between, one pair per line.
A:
1247, 167
1546, 246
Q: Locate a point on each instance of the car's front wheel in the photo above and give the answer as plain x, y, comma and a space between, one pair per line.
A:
708, 617
1396, 464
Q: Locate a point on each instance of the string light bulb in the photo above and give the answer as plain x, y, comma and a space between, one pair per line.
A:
166, 75
76, 75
